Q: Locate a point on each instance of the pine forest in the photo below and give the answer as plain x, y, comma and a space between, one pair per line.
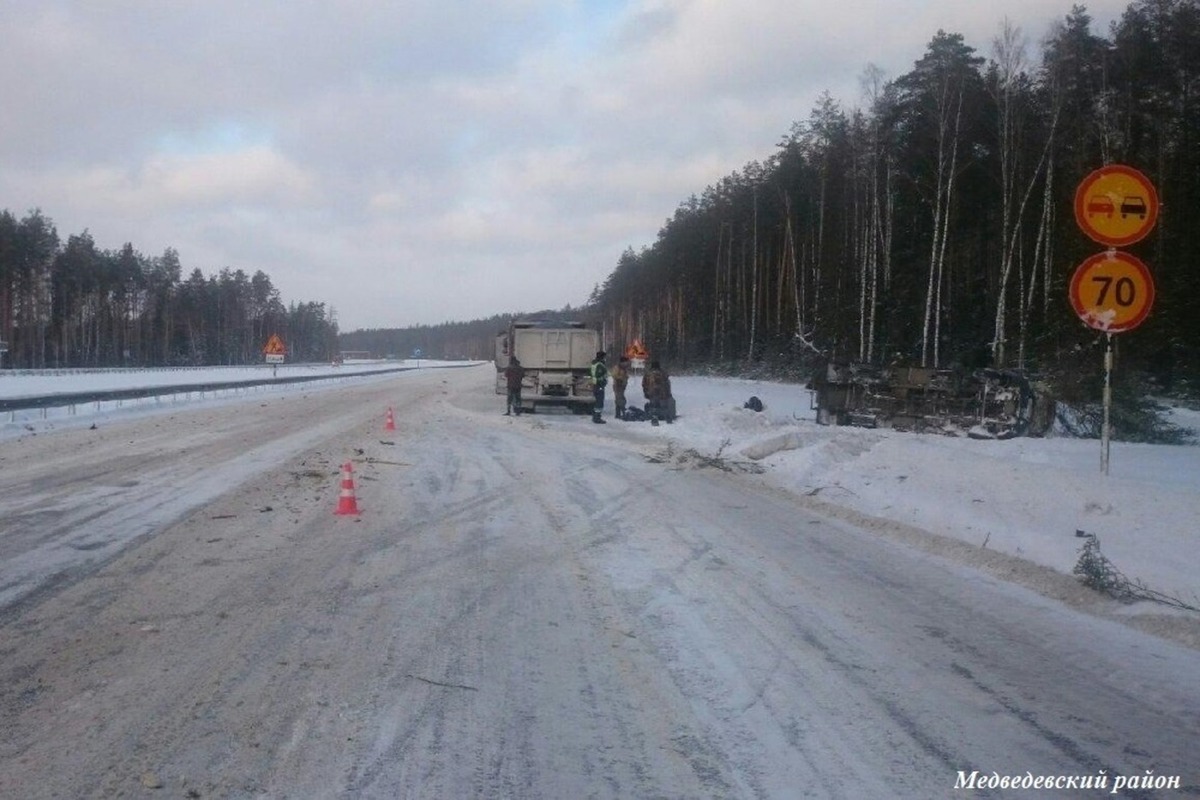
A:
936, 225
933, 223
75, 305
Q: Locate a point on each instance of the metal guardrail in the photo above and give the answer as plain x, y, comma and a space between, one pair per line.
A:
60, 400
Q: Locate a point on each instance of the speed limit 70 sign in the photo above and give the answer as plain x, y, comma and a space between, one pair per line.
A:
1112, 291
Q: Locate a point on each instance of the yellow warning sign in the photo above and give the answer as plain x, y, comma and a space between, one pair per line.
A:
274, 349
275, 346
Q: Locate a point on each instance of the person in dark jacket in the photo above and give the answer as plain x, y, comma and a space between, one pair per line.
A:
620, 379
656, 386
599, 373
514, 374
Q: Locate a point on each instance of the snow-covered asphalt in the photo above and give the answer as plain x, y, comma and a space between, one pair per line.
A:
532, 607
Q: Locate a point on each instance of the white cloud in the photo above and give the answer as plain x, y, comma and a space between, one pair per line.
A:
253, 177
414, 162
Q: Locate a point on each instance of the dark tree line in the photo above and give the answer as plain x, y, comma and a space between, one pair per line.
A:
935, 225
75, 305
474, 340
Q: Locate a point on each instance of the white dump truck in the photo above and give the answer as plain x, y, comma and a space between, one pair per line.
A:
556, 357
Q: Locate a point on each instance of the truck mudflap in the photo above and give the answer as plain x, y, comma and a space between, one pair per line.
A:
576, 405
568, 390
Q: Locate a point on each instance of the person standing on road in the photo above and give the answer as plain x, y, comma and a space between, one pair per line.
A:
599, 374
620, 379
656, 386
514, 374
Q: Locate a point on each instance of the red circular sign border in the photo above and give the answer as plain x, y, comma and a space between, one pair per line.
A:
1081, 200
1138, 264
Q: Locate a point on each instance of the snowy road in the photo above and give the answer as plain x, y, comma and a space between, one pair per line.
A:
525, 608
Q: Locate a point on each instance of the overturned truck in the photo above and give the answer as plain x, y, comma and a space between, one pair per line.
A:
982, 404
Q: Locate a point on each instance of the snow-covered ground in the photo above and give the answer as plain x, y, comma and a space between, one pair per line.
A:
1022, 497
538, 606
35, 383
260, 380
1025, 497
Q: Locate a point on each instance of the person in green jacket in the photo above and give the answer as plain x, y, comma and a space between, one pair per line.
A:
599, 374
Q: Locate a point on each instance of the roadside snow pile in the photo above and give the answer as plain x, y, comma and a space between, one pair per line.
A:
1023, 497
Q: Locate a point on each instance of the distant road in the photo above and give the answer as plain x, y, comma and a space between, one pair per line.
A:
33, 389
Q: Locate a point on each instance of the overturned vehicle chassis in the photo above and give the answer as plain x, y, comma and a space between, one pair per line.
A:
984, 404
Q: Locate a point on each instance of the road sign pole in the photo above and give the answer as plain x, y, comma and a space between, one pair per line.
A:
1113, 291
1105, 430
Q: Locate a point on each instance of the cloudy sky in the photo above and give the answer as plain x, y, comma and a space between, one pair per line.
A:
420, 161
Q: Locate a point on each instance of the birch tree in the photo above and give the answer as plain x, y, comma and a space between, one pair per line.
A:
1013, 94
933, 111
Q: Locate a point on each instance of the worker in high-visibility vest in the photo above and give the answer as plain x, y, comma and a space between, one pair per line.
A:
599, 373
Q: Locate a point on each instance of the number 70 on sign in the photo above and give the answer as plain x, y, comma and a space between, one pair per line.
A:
1112, 292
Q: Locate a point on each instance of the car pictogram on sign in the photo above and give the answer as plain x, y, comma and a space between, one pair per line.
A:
1100, 205
1133, 205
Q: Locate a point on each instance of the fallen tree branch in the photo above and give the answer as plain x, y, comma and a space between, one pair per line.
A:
439, 683
1097, 572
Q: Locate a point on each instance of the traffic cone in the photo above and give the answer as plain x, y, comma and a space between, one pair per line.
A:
390, 425
347, 504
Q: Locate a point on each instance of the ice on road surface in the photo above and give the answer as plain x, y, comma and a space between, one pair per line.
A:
526, 607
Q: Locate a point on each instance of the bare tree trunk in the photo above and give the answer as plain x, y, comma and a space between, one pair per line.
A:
727, 303
947, 165
1047, 275
863, 248
1042, 258
884, 227
933, 250
797, 275
1009, 51
1010, 56
872, 82
781, 280
754, 280
818, 247
717, 296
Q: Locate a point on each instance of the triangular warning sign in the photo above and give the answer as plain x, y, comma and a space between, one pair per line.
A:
275, 346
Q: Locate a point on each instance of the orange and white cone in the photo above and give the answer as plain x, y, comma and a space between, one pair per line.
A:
390, 424
347, 504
